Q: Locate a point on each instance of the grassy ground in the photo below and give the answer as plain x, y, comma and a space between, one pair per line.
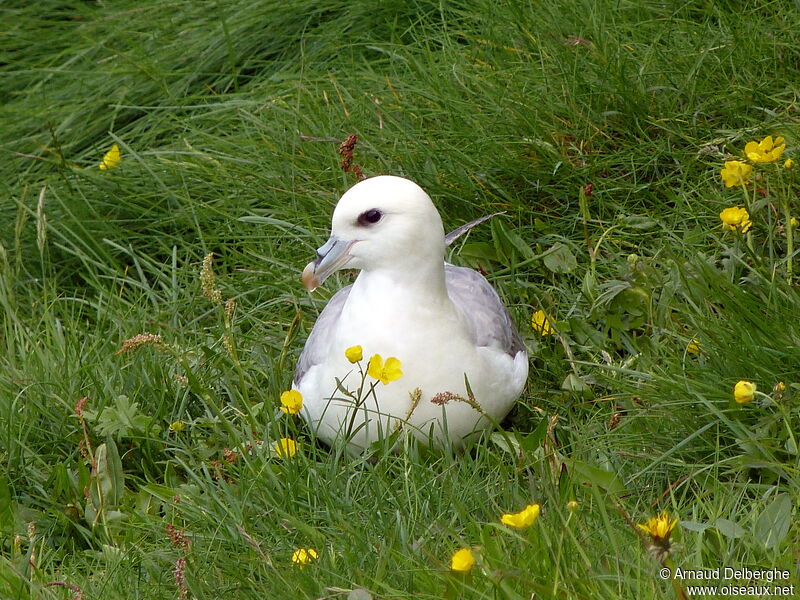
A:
228, 116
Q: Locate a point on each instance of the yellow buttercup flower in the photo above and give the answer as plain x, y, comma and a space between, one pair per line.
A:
462, 561
767, 150
177, 426
303, 556
525, 518
385, 372
736, 173
788, 163
659, 528
572, 505
285, 448
744, 392
354, 354
693, 347
541, 323
793, 222
736, 218
111, 159
779, 387
291, 402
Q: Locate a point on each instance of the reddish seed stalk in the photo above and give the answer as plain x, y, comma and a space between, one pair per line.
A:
346, 149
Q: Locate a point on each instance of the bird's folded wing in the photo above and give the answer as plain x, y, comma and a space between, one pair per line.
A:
487, 316
315, 350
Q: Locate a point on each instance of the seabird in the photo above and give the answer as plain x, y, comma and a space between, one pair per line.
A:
462, 360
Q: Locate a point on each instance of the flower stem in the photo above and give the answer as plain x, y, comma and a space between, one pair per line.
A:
747, 204
787, 218
679, 591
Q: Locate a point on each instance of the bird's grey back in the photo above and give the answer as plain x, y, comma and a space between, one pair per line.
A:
485, 312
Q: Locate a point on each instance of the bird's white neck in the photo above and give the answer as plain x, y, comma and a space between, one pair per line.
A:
393, 309
424, 283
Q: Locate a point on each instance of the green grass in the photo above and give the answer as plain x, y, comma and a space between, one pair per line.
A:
228, 116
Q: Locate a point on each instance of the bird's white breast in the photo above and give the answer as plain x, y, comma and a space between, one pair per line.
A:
431, 339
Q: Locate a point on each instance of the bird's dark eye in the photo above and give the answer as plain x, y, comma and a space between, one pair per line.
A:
369, 217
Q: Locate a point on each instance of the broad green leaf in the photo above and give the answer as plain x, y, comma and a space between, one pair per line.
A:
506, 441
773, 524
106, 483
694, 525
533, 440
585, 334
573, 383
98, 487
479, 251
729, 529
115, 515
112, 476
508, 243
588, 474
121, 419
610, 290
520, 245
502, 246
560, 259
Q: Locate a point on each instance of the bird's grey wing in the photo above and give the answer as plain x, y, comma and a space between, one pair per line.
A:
459, 231
316, 347
484, 310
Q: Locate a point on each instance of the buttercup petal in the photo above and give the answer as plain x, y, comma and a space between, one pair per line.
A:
751, 147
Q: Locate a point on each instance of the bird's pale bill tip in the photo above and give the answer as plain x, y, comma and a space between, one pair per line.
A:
309, 277
331, 257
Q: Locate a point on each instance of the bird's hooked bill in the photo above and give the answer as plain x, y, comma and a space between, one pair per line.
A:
331, 257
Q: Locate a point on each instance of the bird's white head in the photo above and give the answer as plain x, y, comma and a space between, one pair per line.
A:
381, 223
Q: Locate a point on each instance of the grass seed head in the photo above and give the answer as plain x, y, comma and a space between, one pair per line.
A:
208, 279
139, 341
